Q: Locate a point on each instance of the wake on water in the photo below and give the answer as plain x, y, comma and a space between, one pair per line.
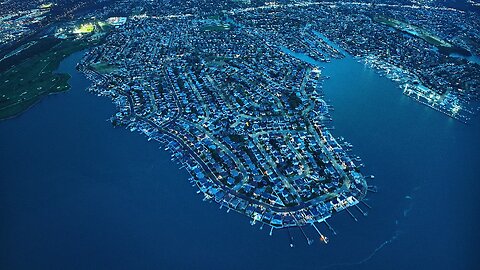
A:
394, 237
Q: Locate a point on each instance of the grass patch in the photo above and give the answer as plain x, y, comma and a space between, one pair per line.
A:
27, 82
104, 68
46, 5
414, 31
86, 28
216, 27
38, 47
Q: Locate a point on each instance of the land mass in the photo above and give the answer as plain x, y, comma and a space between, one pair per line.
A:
247, 120
416, 31
34, 76
27, 73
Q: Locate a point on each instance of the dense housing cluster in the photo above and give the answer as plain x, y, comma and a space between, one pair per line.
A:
234, 88
245, 118
433, 52
235, 91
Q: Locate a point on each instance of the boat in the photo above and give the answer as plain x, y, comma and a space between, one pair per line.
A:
324, 239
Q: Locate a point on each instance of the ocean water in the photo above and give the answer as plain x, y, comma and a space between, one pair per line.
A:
77, 193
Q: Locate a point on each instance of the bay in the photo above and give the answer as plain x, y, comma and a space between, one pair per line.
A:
77, 193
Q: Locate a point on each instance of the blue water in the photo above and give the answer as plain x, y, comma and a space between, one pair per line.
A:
77, 193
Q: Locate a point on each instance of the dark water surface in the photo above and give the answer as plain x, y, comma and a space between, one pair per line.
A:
76, 193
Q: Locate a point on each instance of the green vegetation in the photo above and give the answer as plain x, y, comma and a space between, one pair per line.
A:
26, 82
216, 27
104, 68
46, 5
25, 52
237, 138
216, 61
102, 27
84, 28
214, 17
294, 101
414, 31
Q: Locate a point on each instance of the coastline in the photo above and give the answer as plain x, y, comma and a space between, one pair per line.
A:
43, 80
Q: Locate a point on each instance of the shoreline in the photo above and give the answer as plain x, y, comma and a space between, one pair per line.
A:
40, 97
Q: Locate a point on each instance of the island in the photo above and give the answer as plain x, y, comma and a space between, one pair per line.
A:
244, 117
